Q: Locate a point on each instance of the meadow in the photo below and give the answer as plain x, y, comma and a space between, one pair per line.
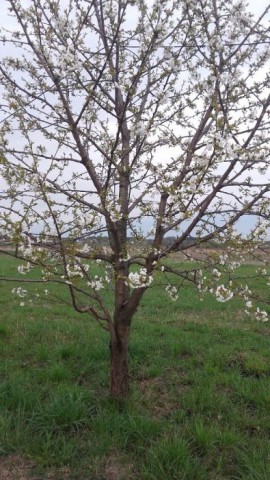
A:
200, 390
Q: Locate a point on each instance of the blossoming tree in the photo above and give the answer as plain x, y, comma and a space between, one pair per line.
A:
133, 118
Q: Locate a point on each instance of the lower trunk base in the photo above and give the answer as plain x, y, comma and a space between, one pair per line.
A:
119, 387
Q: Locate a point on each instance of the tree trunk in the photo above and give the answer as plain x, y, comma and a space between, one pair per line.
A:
119, 387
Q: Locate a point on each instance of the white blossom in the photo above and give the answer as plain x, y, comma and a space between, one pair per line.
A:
23, 269
96, 283
172, 292
261, 315
216, 273
139, 279
223, 294
19, 291
223, 259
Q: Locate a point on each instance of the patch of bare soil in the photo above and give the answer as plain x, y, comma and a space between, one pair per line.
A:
15, 467
155, 391
116, 469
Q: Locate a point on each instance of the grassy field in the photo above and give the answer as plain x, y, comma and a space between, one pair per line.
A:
200, 391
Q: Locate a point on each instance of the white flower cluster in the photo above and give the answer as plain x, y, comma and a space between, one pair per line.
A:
248, 305
203, 160
139, 129
246, 292
202, 288
261, 230
114, 210
223, 259
200, 282
20, 292
23, 269
111, 10
75, 270
68, 62
261, 315
139, 279
172, 292
216, 273
27, 250
96, 283
109, 274
233, 265
126, 258
223, 294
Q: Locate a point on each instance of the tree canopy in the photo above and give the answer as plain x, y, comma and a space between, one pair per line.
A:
133, 118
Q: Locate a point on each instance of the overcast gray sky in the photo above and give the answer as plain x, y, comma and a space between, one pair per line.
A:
257, 7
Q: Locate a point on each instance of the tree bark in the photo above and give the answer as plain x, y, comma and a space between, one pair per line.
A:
119, 386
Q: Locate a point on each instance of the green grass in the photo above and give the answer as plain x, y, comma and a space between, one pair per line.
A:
200, 391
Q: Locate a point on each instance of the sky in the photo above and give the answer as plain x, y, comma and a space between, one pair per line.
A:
256, 7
